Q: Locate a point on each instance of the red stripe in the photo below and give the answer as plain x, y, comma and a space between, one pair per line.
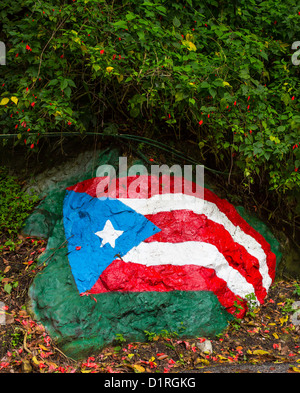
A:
184, 225
90, 187
122, 276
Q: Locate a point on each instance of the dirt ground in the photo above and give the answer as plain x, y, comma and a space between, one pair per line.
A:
265, 341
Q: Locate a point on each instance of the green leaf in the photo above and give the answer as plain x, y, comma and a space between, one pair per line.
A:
68, 92
205, 85
244, 73
71, 83
179, 96
96, 67
69, 111
264, 124
111, 129
212, 92
141, 35
7, 288
285, 98
223, 103
176, 22
63, 84
281, 128
264, 55
135, 111
120, 24
53, 82
161, 9
130, 16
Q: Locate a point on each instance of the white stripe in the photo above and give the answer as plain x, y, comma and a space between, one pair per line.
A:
190, 253
169, 202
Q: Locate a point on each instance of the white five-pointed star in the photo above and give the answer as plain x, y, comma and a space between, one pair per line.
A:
109, 234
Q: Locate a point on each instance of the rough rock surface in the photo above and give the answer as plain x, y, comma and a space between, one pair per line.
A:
205, 346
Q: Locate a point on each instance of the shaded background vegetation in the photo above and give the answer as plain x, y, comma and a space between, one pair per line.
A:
216, 75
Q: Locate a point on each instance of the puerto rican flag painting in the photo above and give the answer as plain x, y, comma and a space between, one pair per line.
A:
149, 242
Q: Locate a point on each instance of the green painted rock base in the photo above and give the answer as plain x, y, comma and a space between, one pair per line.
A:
82, 325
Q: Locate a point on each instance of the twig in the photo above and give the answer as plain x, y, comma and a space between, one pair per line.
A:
45, 47
67, 357
24, 343
58, 248
231, 165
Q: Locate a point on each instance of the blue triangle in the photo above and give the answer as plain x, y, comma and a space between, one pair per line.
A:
83, 217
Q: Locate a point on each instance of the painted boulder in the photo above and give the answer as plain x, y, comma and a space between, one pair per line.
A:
142, 257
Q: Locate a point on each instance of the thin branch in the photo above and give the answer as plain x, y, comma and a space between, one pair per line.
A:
45, 47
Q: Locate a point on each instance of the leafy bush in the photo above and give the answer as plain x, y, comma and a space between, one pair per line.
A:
218, 72
15, 205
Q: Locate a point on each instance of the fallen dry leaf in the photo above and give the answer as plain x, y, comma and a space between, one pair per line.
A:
285, 350
7, 269
296, 369
162, 357
9, 319
203, 361
260, 352
283, 320
6, 280
222, 357
52, 365
26, 366
35, 361
43, 347
139, 369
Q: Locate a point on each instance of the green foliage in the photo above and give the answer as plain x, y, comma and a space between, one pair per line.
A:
166, 334
297, 289
251, 304
16, 338
15, 206
120, 338
251, 301
218, 72
150, 335
287, 308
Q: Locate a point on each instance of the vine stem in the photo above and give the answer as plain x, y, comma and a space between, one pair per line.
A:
45, 47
